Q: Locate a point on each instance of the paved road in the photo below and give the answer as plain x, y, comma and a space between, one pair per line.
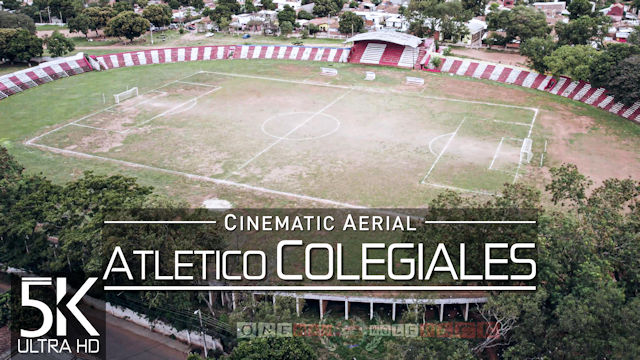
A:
127, 341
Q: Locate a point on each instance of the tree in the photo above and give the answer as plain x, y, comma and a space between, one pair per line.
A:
122, 6
58, 44
5, 309
426, 17
158, 14
519, 23
536, 49
286, 28
19, 45
579, 8
174, 4
249, 7
98, 17
223, 12
624, 84
305, 15
268, 5
79, 23
285, 348
197, 4
634, 37
572, 61
15, 21
127, 24
350, 23
607, 61
323, 8
287, 14
65, 9
582, 30
475, 6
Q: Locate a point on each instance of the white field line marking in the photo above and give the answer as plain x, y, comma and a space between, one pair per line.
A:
34, 139
372, 90
514, 139
132, 106
453, 134
196, 84
289, 133
495, 155
171, 111
434, 140
461, 189
541, 159
512, 122
97, 128
480, 221
318, 288
200, 177
535, 114
515, 177
159, 222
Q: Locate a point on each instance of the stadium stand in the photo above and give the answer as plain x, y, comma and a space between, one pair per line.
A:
19, 81
386, 48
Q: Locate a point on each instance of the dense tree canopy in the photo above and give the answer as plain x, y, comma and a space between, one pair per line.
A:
58, 44
19, 45
285, 348
521, 23
605, 63
624, 82
536, 49
350, 23
426, 17
158, 14
15, 21
127, 24
287, 14
582, 31
573, 61
98, 17
80, 23
324, 8
579, 8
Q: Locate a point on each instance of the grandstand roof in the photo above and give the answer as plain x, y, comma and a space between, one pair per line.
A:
388, 36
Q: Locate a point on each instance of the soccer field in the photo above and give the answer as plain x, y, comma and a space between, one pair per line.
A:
339, 145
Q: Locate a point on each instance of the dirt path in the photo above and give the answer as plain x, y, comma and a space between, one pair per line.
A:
507, 58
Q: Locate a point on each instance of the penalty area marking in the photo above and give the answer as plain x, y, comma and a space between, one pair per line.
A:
495, 155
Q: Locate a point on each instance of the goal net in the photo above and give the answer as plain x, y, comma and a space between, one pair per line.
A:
126, 95
525, 152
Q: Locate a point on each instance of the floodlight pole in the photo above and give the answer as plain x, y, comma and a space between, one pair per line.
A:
151, 29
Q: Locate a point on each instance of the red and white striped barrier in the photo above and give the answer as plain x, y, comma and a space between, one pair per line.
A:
24, 79
164, 56
577, 90
565, 87
302, 53
202, 53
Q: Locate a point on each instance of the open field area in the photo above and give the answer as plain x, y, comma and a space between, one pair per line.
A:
277, 133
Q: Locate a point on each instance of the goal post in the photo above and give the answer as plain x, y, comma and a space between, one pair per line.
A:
525, 151
128, 94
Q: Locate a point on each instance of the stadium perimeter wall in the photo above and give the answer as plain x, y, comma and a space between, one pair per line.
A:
563, 86
576, 90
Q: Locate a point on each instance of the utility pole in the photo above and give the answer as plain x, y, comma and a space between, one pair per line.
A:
204, 338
